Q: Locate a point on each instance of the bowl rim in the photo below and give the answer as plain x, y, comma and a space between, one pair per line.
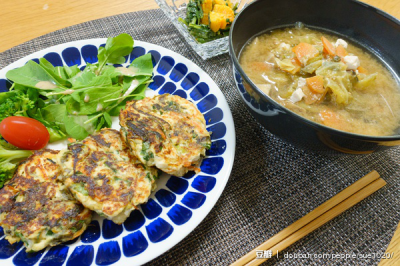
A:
296, 116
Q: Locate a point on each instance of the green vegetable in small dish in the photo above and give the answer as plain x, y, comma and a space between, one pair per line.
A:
208, 20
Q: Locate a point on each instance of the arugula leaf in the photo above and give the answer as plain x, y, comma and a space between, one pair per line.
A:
57, 73
71, 71
136, 81
30, 75
107, 119
86, 81
100, 123
55, 113
97, 99
114, 73
75, 96
137, 94
60, 72
115, 110
73, 106
140, 91
115, 50
103, 121
76, 127
89, 80
83, 79
142, 66
132, 87
33, 94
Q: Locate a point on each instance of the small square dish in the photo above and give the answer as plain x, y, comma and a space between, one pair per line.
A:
176, 10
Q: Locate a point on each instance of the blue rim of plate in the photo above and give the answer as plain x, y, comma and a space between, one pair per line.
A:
178, 204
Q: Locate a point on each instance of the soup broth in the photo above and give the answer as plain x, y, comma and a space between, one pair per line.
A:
325, 79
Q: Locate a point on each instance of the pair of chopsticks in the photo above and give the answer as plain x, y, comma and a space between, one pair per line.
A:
347, 198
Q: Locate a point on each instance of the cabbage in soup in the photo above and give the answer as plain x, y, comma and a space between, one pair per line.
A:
325, 79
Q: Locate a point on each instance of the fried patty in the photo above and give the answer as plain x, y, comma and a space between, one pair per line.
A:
107, 178
37, 208
166, 131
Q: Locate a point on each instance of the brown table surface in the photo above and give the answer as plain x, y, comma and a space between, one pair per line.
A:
23, 20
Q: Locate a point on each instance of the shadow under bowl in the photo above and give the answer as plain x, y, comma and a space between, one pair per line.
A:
365, 25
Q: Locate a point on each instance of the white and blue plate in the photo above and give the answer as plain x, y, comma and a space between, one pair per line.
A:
178, 204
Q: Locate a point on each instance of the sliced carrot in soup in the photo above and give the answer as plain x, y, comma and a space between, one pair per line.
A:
332, 119
312, 97
316, 84
304, 52
362, 70
341, 51
329, 118
329, 48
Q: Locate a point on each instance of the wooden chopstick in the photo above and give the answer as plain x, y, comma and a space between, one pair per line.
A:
316, 218
324, 218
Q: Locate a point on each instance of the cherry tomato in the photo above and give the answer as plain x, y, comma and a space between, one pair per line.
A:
24, 132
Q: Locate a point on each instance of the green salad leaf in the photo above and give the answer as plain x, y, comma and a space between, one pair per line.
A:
72, 102
141, 66
77, 126
97, 99
30, 75
57, 73
115, 50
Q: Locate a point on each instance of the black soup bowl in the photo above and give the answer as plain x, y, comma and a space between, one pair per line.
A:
366, 26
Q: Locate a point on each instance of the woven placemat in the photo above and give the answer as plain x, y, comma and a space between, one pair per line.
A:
272, 183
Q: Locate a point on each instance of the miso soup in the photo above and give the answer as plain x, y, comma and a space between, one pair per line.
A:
325, 79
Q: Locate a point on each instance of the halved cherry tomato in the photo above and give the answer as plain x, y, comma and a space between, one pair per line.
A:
24, 132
